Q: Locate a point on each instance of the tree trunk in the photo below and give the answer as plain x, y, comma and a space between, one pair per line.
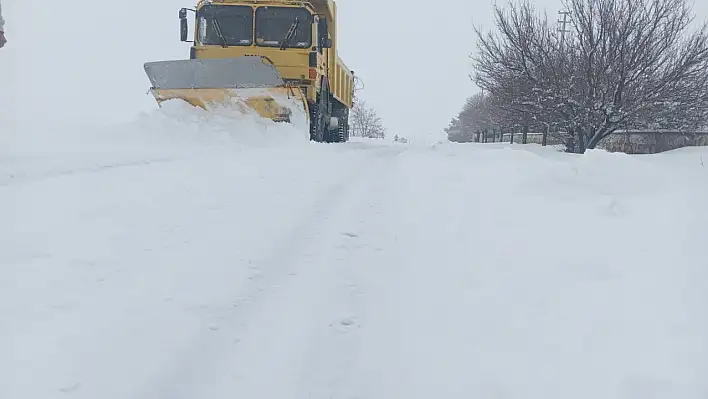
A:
581, 142
525, 134
544, 141
596, 140
570, 142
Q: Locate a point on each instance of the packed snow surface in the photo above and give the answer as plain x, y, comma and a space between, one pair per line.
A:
185, 256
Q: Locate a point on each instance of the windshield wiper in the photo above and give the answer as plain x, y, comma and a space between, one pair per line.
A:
291, 33
218, 32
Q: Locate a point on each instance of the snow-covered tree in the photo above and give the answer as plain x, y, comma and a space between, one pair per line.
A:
484, 114
622, 62
472, 121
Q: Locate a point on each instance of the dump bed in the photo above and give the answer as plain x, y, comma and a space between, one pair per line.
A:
341, 79
326, 7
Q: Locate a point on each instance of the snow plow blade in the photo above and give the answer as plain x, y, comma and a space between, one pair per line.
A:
243, 82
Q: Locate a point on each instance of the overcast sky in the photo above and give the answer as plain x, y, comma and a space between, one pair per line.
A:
83, 60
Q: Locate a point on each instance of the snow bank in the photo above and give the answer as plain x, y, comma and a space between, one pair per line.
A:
535, 274
177, 129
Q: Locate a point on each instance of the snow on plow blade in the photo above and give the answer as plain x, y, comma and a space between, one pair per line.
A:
234, 82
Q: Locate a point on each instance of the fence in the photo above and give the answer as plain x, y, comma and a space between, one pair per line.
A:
555, 138
627, 141
652, 142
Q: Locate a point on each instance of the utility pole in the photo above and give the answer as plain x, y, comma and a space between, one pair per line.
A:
564, 24
563, 29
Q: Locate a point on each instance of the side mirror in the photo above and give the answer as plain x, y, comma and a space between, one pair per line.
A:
323, 29
183, 30
183, 27
323, 26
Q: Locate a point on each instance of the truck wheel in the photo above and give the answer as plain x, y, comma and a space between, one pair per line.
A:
345, 129
319, 117
317, 123
341, 134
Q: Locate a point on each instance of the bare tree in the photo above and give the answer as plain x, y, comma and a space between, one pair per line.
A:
624, 62
365, 122
472, 121
484, 115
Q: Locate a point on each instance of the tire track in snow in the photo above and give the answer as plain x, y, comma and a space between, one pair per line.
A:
329, 369
261, 346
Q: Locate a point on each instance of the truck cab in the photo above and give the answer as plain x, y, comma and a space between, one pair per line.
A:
294, 36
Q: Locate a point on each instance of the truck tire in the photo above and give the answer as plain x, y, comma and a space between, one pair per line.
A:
317, 123
341, 135
320, 114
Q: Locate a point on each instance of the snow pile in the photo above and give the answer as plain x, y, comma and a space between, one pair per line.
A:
39, 148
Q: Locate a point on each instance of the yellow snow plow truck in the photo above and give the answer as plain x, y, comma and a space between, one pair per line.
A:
270, 56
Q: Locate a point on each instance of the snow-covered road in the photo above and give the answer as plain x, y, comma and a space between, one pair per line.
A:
175, 259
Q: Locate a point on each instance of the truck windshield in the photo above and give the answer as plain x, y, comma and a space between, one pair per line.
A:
273, 24
225, 25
